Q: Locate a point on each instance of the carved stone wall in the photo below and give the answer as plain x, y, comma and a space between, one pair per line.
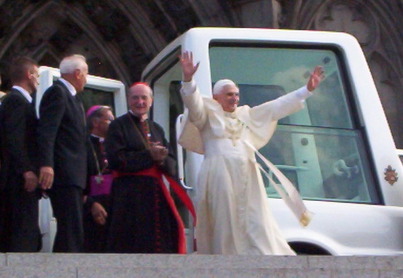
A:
120, 37
377, 26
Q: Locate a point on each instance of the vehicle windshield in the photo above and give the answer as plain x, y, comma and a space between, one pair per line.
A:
321, 148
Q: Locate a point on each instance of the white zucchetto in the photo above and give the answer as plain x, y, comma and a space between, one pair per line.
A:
220, 84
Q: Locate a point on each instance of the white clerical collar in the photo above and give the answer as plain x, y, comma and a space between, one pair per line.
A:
232, 114
141, 120
69, 86
101, 139
23, 92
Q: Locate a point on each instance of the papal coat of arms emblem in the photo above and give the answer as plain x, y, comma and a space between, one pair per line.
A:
391, 175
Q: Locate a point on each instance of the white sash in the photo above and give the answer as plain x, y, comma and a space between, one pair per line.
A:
285, 189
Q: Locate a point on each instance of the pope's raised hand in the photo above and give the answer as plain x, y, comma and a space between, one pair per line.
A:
316, 77
188, 68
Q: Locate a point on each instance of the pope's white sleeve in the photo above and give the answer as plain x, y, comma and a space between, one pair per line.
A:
194, 102
282, 106
303, 93
188, 88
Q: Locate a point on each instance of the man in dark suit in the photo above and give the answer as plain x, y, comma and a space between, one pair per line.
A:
19, 229
63, 155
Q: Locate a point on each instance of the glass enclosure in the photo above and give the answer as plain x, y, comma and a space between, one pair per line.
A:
321, 148
92, 96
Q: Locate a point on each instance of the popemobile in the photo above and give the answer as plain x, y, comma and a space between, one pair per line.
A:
338, 151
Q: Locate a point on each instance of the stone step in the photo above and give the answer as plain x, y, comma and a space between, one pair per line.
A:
114, 272
144, 265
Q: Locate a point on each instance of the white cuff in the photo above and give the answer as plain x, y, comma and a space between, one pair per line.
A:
303, 93
188, 88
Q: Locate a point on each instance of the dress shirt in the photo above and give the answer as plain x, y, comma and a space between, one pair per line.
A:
24, 93
69, 86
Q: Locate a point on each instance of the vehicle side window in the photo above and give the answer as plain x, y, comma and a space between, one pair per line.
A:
91, 96
321, 148
168, 106
168, 103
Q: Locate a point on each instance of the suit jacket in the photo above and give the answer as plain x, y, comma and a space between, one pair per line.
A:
18, 128
62, 136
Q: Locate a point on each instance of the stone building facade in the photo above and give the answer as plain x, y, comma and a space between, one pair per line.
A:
119, 37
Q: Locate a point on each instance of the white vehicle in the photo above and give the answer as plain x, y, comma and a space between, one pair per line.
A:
338, 151
400, 154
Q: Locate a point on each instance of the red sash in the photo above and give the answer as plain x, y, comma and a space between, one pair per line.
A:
180, 192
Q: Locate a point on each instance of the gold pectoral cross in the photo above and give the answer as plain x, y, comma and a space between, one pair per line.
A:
99, 179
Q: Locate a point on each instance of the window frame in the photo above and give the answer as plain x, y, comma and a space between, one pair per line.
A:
350, 97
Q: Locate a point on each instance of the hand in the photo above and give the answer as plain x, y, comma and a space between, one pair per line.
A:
31, 181
46, 176
158, 152
316, 77
188, 69
99, 213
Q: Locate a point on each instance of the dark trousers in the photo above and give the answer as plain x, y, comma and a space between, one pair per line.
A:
67, 205
19, 229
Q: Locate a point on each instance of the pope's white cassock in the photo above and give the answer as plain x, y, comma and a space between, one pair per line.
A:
232, 208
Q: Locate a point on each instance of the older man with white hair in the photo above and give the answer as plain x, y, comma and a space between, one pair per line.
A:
63, 156
232, 210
